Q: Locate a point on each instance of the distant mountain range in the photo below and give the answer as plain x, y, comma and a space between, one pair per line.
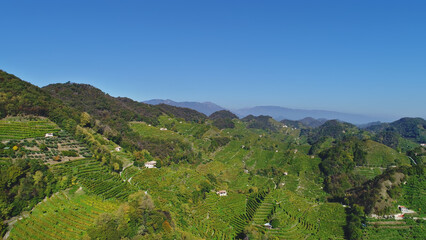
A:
280, 113
276, 112
205, 107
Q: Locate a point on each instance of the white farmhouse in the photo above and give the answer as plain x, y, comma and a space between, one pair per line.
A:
222, 193
150, 164
48, 135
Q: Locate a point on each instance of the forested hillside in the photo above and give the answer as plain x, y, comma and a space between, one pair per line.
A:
76, 163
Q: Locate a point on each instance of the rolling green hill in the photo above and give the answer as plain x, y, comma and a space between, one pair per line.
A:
90, 181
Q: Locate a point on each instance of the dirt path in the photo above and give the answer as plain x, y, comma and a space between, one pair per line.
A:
388, 223
124, 168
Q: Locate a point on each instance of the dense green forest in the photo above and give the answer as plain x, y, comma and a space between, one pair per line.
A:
76, 163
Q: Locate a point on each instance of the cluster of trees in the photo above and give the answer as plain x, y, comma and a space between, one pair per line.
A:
332, 128
223, 119
338, 162
24, 183
355, 220
133, 220
260, 122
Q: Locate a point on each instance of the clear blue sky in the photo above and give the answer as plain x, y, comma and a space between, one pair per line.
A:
355, 56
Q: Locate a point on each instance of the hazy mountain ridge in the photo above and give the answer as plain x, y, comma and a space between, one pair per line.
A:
206, 108
276, 112
280, 113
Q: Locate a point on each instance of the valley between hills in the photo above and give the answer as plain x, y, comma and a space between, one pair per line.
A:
77, 163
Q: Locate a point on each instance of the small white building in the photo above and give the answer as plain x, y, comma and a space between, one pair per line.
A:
405, 210
163, 129
267, 225
150, 164
285, 173
118, 149
423, 144
48, 135
222, 193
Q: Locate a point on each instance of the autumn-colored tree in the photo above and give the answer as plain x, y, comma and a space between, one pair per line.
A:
38, 177
116, 166
85, 119
166, 226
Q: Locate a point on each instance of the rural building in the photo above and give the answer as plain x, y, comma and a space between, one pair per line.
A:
222, 193
118, 149
267, 225
423, 144
163, 129
48, 135
150, 164
405, 210
286, 173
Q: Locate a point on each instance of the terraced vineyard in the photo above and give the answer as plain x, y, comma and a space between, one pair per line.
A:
96, 178
264, 210
129, 172
62, 216
21, 128
253, 202
300, 219
391, 229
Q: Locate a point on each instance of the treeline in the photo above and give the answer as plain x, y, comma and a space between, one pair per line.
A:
18, 97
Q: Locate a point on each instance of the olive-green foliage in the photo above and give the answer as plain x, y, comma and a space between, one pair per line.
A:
70, 153
260, 122
218, 142
24, 183
355, 219
136, 218
223, 119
